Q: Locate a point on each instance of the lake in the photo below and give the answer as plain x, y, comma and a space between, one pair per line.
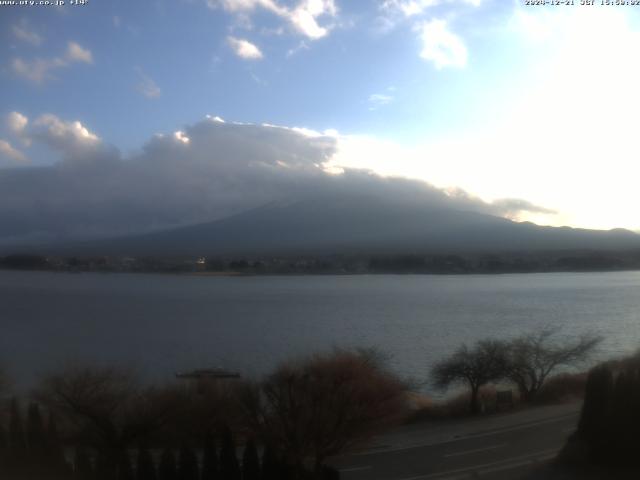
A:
161, 324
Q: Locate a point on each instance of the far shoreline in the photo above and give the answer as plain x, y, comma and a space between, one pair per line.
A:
236, 274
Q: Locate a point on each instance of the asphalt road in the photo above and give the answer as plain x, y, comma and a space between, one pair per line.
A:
506, 450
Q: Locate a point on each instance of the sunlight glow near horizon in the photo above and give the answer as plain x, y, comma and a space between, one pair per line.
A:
567, 140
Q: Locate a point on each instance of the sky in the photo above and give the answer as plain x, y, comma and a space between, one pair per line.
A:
165, 107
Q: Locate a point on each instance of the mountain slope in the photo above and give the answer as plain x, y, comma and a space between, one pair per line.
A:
357, 225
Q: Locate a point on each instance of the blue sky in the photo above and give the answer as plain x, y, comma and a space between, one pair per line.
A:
500, 99
183, 48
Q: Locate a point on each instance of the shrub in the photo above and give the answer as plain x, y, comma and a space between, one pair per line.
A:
324, 405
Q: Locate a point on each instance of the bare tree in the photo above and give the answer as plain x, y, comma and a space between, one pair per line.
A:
324, 405
533, 357
475, 367
107, 407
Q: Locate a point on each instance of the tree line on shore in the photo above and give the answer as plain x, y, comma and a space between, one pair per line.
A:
436, 263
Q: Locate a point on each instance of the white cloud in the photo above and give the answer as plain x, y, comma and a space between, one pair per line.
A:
71, 138
377, 100
441, 46
16, 122
303, 18
181, 137
215, 119
116, 21
8, 152
244, 48
39, 70
75, 53
146, 85
410, 8
22, 32
243, 5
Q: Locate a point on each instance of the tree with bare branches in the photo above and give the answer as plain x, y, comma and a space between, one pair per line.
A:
531, 358
108, 408
475, 367
324, 405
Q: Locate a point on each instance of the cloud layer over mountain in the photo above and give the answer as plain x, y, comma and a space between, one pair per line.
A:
208, 170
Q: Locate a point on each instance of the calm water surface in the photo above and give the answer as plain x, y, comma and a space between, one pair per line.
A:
161, 323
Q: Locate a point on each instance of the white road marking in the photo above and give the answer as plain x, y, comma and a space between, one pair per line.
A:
476, 450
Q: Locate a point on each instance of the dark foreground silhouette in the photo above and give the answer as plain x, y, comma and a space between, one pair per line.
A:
605, 444
102, 424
